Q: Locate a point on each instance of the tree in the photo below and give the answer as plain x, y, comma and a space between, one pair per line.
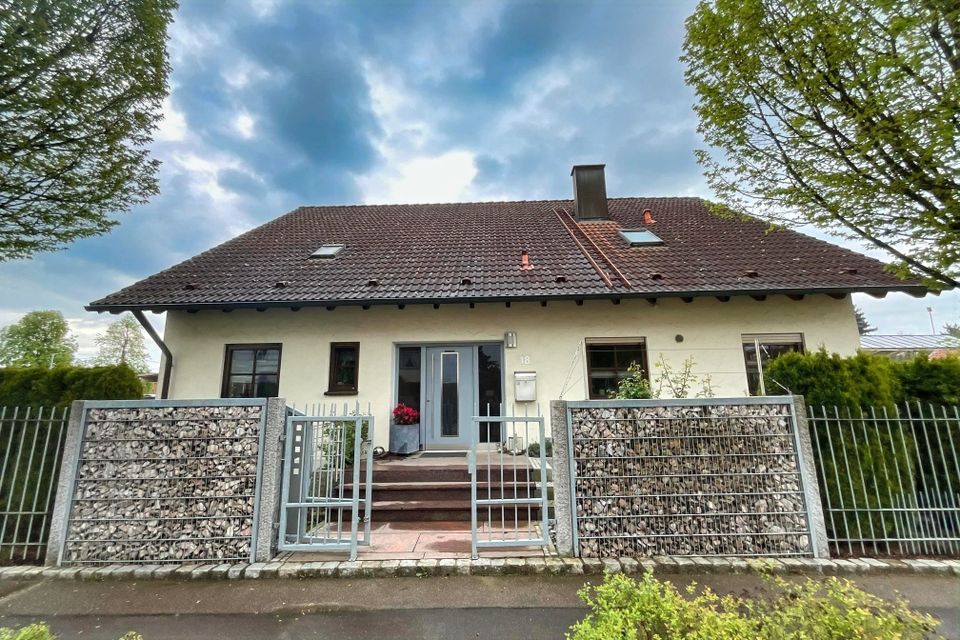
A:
81, 86
844, 114
952, 330
863, 325
123, 343
38, 339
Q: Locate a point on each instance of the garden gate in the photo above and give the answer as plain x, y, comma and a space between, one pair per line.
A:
326, 456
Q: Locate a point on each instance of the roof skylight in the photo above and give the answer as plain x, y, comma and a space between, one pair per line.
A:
640, 237
328, 251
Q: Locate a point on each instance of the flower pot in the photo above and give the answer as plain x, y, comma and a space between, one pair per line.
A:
404, 438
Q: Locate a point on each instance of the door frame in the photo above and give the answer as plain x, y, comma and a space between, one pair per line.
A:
423, 345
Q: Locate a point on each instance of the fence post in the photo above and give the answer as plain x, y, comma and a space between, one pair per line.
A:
808, 476
271, 459
69, 459
562, 485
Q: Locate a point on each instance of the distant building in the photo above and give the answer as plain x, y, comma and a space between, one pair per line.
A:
897, 346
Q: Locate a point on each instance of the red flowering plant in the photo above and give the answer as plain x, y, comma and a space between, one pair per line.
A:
402, 414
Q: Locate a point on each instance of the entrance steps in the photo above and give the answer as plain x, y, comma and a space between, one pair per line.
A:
424, 493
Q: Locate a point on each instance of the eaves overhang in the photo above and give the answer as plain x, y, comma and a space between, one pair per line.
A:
915, 290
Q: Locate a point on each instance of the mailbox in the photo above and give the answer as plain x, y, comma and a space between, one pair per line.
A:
524, 386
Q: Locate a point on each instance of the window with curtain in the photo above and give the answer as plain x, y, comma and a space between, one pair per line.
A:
344, 368
251, 371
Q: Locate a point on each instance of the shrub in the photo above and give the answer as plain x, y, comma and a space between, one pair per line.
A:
40, 631
62, 385
830, 609
635, 386
831, 380
534, 449
935, 382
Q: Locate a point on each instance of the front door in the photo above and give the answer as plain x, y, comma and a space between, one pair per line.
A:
450, 390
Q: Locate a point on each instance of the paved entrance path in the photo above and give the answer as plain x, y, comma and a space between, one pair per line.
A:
453, 607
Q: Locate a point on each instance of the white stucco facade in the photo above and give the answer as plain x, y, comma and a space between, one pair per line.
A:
550, 341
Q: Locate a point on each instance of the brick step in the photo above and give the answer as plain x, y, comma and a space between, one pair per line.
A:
443, 491
413, 473
436, 510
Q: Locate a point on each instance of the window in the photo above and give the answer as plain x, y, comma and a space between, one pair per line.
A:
344, 368
251, 371
490, 388
408, 376
327, 251
607, 365
640, 237
761, 348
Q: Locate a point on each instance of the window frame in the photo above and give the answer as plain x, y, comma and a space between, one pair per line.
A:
342, 390
229, 349
756, 339
612, 342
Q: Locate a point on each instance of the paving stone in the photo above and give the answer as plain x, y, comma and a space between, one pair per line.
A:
165, 572
329, 569
145, 572
285, 570
574, 566
647, 564
611, 565
201, 572
629, 566
310, 570
407, 568
793, 565
685, 565
89, 573
350, 569
464, 566
68, 573
936, 566
183, 572
237, 571
369, 569
427, 567
556, 566
219, 572
447, 567
592, 566
254, 570
516, 565
12, 573
389, 568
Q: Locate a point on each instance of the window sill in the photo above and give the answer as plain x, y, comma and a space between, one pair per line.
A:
352, 392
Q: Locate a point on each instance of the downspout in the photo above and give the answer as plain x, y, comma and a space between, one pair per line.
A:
167, 356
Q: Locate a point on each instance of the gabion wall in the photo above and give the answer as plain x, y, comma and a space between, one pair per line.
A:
688, 480
167, 484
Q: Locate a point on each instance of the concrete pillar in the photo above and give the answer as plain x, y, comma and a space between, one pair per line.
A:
808, 477
271, 477
69, 458
562, 485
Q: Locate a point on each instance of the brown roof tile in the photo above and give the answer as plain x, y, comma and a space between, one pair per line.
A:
422, 253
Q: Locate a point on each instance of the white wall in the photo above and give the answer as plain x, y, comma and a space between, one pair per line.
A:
550, 341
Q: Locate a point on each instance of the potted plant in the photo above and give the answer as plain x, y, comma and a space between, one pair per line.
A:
405, 432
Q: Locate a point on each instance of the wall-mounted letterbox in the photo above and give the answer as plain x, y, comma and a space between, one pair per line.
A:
525, 386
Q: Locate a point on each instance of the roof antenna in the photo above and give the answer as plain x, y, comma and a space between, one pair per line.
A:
525, 261
648, 217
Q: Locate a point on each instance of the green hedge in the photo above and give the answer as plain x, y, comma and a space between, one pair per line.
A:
21, 387
867, 463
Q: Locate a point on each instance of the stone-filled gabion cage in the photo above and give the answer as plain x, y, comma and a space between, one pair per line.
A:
687, 477
165, 484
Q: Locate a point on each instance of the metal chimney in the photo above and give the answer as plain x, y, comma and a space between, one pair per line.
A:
589, 192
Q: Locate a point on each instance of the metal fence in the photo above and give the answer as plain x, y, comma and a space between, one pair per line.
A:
327, 481
889, 479
31, 442
509, 480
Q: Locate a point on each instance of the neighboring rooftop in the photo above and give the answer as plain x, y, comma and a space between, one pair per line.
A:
503, 251
927, 342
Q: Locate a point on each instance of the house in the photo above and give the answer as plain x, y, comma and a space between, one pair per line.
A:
451, 308
907, 346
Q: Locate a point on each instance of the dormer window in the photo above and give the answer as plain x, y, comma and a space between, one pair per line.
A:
328, 251
640, 237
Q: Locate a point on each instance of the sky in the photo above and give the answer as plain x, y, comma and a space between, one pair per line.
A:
280, 103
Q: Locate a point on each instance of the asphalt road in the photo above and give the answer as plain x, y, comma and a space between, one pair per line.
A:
528, 607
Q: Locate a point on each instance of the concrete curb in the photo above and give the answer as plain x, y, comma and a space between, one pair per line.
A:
488, 567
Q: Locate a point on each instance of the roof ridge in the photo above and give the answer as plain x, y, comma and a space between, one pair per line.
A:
473, 202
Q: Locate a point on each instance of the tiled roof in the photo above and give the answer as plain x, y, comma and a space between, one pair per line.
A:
874, 342
472, 252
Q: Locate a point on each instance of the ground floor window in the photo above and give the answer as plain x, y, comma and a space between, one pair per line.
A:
344, 368
251, 371
608, 361
408, 376
761, 348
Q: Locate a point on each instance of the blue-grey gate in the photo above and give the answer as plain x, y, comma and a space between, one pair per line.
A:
509, 481
328, 474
